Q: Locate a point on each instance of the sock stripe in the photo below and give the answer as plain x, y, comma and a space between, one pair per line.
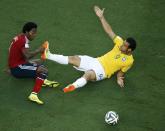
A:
34, 93
40, 78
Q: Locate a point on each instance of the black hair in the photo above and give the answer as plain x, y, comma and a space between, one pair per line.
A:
132, 43
28, 26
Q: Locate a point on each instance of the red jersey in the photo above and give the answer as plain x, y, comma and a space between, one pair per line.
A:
16, 56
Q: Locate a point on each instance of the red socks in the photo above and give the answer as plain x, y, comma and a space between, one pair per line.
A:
38, 84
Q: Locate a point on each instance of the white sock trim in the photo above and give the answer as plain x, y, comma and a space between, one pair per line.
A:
80, 82
34, 93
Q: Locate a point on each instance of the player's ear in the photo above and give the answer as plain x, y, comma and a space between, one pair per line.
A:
129, 50
30, 32
27, 33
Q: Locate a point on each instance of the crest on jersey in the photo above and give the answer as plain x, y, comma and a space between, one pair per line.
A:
117, 56
123, 59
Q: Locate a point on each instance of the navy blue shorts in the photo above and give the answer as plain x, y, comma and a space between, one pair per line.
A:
28, 70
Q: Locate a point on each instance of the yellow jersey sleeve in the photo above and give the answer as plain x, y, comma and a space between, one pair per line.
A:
126, 68
118, 40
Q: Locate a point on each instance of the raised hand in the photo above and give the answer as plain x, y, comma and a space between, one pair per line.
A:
99, 12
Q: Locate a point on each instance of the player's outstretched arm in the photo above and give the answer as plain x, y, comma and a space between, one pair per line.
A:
120, 78
99, 12
30, 54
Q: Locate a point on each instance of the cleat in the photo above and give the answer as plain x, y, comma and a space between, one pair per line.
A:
69, 88
44, 55
33, 97
50, 83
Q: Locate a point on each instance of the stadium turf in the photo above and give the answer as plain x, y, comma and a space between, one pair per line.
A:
72, 28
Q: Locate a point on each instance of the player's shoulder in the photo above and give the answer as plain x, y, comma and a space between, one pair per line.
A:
117, 37
118, 40
21, 38
130, 59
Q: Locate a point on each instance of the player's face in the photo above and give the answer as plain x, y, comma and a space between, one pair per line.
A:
125, 47
32, 34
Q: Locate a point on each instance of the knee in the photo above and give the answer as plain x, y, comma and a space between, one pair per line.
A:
74, 60
90, 75
42, 69
42, 72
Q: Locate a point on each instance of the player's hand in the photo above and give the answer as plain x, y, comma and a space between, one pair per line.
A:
98, 11
120, 81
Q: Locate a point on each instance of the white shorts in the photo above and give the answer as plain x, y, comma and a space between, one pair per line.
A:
90, 63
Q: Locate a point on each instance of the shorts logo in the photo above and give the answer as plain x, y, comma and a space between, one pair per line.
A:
117, 56
100, 76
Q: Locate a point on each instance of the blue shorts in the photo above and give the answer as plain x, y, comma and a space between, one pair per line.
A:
28, 70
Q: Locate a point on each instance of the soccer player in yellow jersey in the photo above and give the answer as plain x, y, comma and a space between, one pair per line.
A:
119, 59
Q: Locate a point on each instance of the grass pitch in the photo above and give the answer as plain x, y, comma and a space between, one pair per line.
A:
72, 28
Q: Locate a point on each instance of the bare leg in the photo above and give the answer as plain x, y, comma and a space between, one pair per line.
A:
81, 82
74, 60
88, 76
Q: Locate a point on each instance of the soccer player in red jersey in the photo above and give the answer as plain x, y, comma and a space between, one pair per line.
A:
19, 60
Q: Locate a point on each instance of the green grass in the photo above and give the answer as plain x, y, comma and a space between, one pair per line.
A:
72, 28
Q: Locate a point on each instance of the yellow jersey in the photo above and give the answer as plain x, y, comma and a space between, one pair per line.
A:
114, 60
